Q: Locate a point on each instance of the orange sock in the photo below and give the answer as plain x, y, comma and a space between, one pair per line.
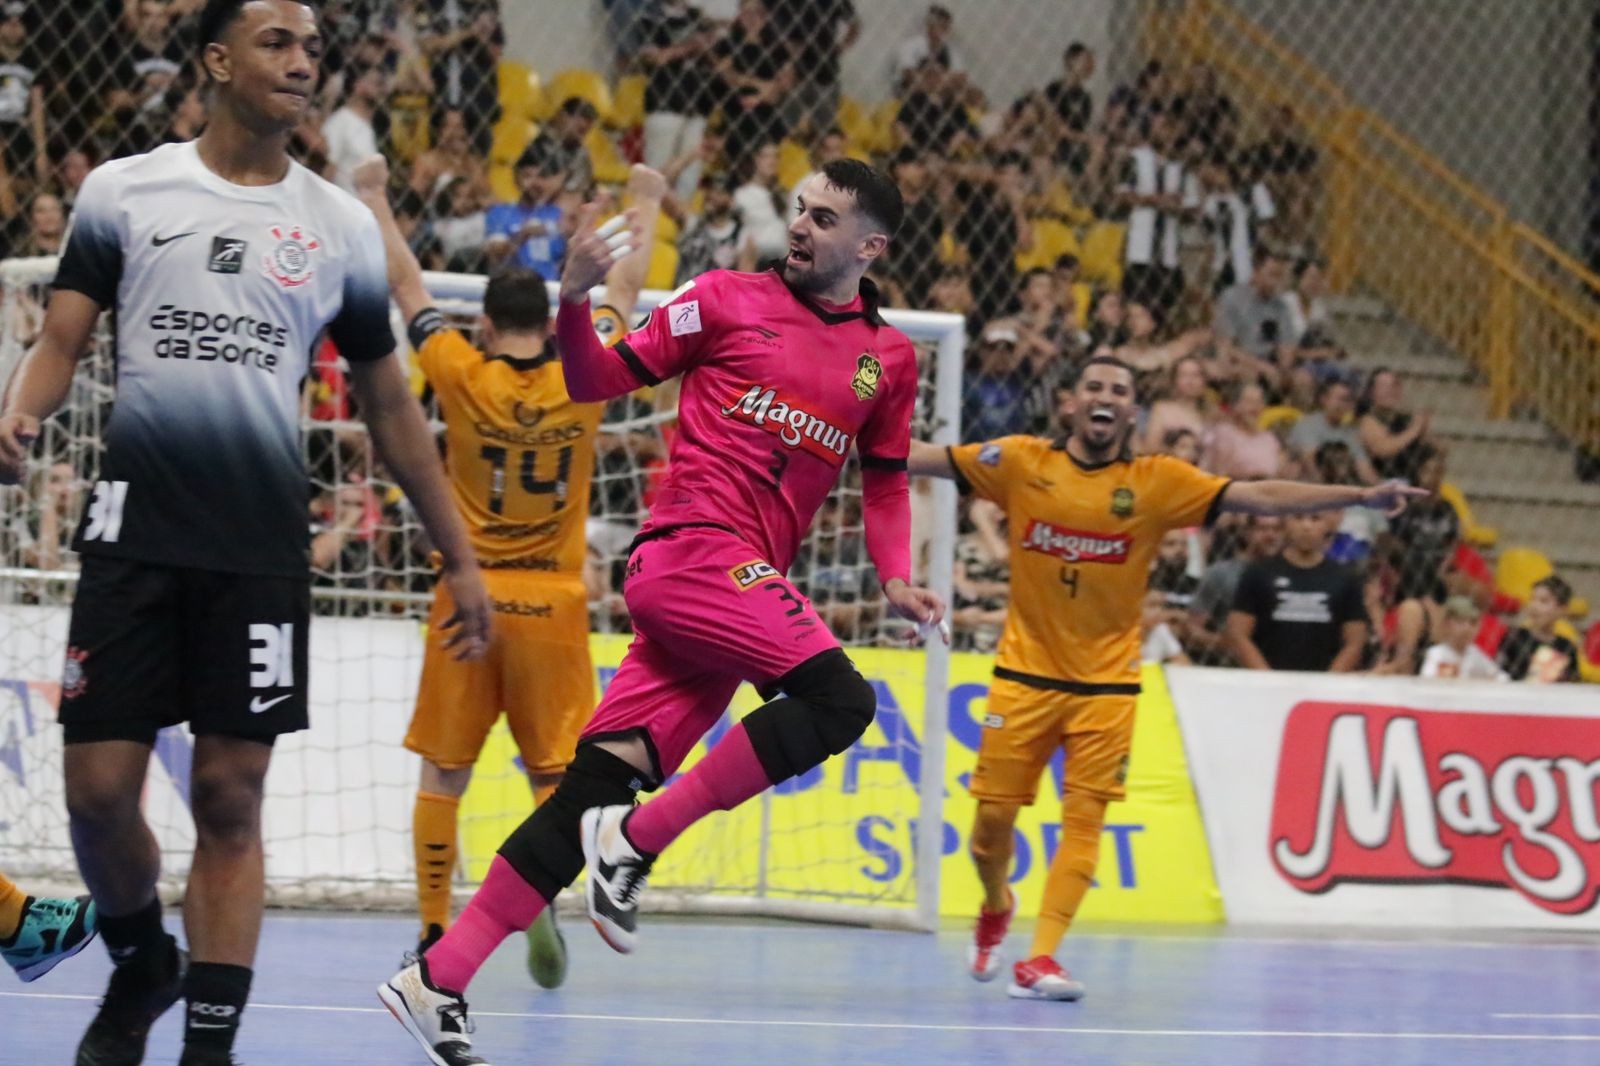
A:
1082, 818
12, 900
433, 834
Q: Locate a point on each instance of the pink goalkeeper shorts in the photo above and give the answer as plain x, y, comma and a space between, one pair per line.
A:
708, 612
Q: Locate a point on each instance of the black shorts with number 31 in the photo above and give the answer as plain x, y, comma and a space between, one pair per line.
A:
151, 646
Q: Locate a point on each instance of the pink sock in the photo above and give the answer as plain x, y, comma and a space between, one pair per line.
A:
728, 775
504, 904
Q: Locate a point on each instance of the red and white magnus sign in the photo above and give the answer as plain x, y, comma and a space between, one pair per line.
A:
1375, 794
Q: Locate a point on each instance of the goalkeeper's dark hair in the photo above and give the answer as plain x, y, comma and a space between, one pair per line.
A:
516, 301
876, 194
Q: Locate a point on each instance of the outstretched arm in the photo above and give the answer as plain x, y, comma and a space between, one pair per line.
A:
930, 460
1297, 497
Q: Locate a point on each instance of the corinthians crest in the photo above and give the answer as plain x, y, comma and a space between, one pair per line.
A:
868, 373
289, 261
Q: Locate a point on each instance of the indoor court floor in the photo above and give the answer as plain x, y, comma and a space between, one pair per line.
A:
720, 993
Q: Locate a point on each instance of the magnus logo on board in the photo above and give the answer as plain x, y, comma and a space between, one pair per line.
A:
1398, 796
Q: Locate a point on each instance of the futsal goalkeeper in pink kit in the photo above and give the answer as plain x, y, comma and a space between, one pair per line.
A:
784, 373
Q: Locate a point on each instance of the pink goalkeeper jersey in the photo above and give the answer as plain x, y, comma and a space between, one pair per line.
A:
776, 389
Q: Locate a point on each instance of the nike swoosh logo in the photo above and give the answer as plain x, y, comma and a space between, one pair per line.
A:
157, 242
258, 705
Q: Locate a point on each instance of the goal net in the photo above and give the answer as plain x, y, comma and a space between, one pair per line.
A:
845, 842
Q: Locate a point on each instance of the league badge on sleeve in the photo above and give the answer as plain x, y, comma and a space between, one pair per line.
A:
289, 261
989, 454
868, 373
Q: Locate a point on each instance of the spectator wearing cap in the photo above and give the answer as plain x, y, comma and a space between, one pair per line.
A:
348, 132
714, 240
1073, 104
678, 39
531, 231
22, 86
938, 27
995, 400
1534, 651
1456, 655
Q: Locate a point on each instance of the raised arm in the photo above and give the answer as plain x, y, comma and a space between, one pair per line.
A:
405, 273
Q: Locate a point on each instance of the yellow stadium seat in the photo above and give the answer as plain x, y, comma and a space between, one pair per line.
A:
511, 135
609, 166
408, 125
1052, 238
587, 84
856, 123
503, 183
663, 266
883, 135
1519, 569
520, 93
952, 253
1101, 258
1278, 415
627, 102
794, 162
1474, 534
1082, 303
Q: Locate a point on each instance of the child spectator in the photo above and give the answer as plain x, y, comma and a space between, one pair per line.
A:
1456, 655
1534, 651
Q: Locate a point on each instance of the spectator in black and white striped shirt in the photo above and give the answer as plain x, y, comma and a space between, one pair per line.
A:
1235, 219
1159, 194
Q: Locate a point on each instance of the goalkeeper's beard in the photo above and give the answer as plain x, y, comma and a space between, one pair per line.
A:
814, 281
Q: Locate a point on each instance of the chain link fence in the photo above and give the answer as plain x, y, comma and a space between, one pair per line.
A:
1077, 182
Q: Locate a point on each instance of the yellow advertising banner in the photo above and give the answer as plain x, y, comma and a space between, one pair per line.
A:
845, 832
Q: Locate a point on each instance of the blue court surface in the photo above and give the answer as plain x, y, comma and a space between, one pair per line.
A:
779, 994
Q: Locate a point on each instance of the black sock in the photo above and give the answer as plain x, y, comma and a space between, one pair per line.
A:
216, 993
137, 937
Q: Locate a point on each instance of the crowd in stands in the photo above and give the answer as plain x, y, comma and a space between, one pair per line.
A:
1168, 225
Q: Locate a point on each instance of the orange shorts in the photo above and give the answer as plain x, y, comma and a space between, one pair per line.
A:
537, 673
1025, 725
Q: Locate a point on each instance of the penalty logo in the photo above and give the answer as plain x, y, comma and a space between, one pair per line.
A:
289, 262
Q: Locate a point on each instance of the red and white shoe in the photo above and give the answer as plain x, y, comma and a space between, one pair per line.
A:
1043, 978
983, 954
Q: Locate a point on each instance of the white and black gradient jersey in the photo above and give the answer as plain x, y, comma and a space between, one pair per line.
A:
219, 292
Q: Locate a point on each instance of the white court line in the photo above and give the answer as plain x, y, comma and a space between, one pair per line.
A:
1581, 1017
782, 1023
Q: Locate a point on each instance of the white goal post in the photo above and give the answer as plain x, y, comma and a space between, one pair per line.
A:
337, 818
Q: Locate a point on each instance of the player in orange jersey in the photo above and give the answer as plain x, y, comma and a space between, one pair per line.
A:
1085, 521
520, 454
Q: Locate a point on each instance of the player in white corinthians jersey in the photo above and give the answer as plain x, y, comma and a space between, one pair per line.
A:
224, 261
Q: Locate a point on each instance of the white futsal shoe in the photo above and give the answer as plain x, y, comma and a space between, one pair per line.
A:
435, 1018
617, 874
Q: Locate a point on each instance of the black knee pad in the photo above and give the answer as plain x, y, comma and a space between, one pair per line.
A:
545, 848
826, 707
